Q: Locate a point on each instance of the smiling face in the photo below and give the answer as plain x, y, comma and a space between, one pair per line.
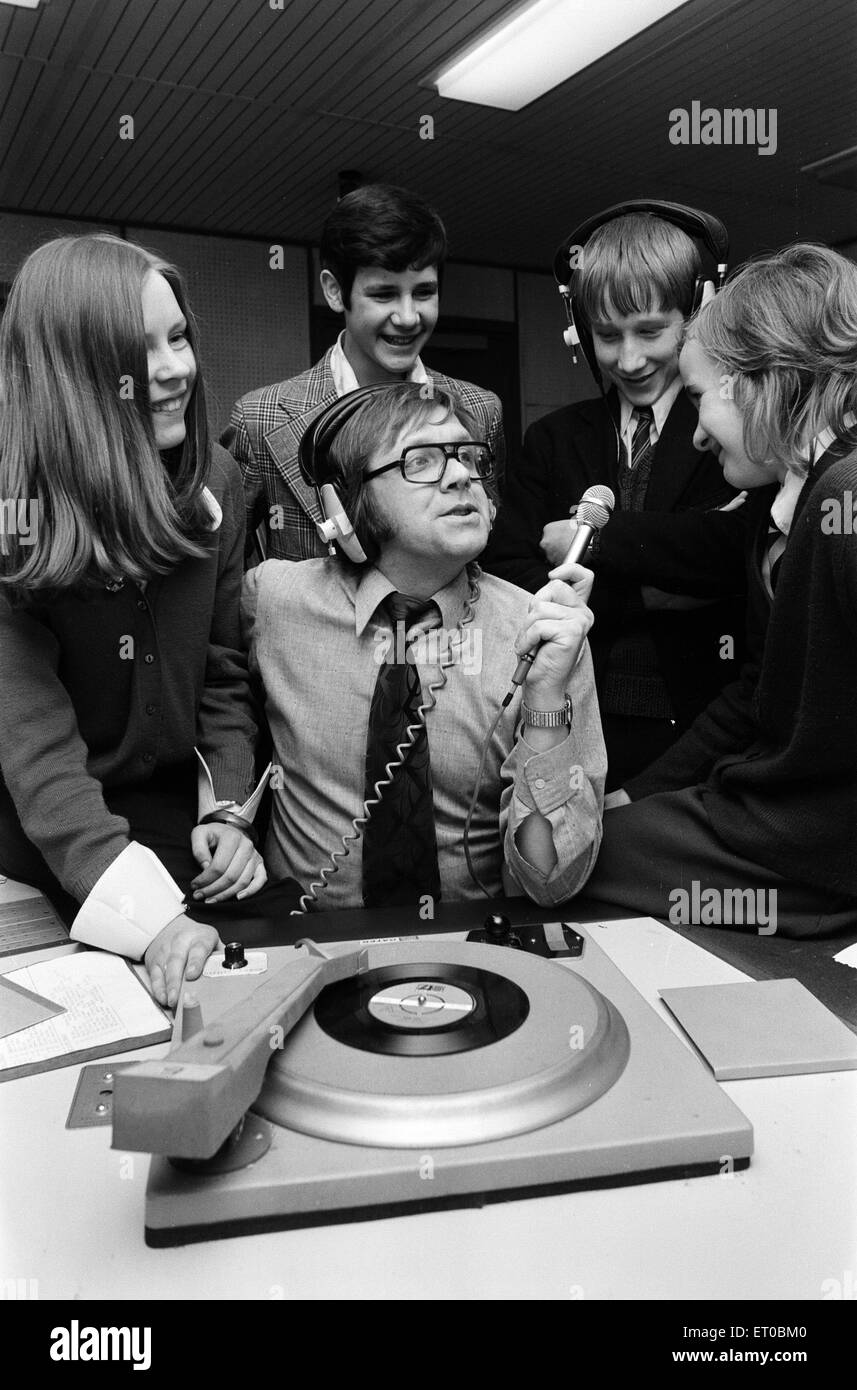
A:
638, 353
389, 321
721, 424
171, 362
434, 529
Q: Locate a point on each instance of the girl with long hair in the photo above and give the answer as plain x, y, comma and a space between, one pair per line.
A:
121, 543
760, 795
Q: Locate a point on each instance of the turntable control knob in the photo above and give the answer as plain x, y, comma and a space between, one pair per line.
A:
234, 957
498, 928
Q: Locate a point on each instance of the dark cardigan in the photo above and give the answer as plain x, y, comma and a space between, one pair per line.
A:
777, 751
108, 689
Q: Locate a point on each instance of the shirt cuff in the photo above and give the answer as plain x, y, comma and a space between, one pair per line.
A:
130, 904
207, 800
549, 779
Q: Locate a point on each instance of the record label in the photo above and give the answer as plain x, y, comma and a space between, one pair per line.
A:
429, 1004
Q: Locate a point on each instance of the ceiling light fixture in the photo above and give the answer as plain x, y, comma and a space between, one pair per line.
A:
538, 45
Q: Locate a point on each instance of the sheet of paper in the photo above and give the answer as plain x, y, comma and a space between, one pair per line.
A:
104, 1001
848, 956
20, 1008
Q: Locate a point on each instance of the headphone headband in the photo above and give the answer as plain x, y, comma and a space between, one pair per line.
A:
314, 451
702, 226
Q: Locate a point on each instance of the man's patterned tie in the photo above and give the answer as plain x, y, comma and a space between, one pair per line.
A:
400, 841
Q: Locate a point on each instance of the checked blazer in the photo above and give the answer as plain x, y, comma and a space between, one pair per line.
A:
264, 434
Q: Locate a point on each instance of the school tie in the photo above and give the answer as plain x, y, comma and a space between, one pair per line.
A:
775, 550
634, 478
641, 444
400, 841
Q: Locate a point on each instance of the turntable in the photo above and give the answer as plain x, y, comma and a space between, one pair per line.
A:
353, 1083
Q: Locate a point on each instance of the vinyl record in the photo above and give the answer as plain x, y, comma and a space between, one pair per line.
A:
424, 1009
555, 1045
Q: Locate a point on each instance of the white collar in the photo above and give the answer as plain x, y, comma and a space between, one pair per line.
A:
213, 508
342, 371
660, 409
783, 505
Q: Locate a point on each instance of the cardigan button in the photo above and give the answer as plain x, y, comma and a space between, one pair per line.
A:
151, 709
148, 757
148, 658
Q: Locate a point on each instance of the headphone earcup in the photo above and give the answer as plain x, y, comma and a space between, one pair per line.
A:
336, 527
319, 472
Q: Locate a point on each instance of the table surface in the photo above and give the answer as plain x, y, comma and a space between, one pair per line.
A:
72, 1209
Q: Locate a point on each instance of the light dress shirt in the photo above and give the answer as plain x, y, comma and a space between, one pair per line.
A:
342, 371
316, 634
628, 418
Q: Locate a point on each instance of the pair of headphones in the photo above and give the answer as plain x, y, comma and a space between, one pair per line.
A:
320, 472
703, 228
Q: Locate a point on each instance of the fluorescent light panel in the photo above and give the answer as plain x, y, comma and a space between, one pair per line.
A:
24, 4
543, 45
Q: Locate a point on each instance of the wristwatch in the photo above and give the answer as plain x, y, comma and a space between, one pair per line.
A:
548, 718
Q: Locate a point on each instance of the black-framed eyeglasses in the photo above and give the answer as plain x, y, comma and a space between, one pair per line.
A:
426, 463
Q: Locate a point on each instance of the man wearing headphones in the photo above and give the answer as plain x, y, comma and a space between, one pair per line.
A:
382, 252
402, 773
669, 568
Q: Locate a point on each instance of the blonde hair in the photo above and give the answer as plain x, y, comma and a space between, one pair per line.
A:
785, 330
637, 264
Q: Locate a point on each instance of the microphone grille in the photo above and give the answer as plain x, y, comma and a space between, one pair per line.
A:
601, 495
594, 514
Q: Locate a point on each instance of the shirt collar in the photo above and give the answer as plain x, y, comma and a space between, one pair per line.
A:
342, 371
212, 506
783, 505
373, 587
660, 409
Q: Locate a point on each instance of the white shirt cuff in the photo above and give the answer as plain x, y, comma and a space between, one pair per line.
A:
131, 903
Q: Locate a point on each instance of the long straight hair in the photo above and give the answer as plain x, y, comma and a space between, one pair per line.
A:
785, 330
77, 441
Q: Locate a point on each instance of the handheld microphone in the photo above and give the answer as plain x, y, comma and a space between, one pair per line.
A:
593, 512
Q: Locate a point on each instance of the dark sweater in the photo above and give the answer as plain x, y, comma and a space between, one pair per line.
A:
777, 751
77, 715
680, 542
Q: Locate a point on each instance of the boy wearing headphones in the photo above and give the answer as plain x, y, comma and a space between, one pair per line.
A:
669, 576
382, 252
404, 776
